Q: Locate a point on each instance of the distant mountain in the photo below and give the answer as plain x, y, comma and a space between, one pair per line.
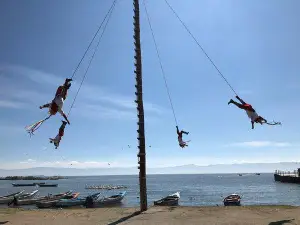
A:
184, 169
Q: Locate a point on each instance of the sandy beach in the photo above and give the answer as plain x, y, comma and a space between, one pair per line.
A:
254, 215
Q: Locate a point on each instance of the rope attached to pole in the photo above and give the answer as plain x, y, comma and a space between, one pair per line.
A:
187, 29
161, 66
100, 38
92, 41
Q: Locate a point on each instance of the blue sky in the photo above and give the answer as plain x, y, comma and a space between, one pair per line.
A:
254, 43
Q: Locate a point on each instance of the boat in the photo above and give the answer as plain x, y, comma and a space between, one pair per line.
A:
232, 200
8, 198
52, 201
23, 185
257, 174
240, 174
74, 201
170, 200
48, 185
28, 195
114, 199
44, 198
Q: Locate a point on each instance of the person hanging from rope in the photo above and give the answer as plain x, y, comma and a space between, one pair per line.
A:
63, 89
60, 134
54, 107
57, 103
182, 143
255, 118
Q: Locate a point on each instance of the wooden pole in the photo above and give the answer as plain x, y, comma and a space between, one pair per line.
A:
140, 108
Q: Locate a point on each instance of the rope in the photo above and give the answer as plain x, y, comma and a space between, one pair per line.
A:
187, 29
91, 41
161, 66
100, 38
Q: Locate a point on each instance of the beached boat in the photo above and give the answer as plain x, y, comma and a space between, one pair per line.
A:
75, 201
170, 200
8, 198
44, 198
114, 199
232, 200
52, 202
63, 203
28, 195
48, 185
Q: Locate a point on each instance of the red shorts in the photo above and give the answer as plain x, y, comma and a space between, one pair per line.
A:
248, 107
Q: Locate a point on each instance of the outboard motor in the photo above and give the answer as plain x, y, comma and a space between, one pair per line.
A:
89, 202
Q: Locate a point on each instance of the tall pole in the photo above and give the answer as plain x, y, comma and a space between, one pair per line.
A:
140, 107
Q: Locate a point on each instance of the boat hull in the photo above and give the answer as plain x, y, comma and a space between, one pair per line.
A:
287, 179
8, 198
112, 200
48, 185
170, 200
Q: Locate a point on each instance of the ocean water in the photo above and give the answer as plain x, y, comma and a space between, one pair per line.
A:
195, 190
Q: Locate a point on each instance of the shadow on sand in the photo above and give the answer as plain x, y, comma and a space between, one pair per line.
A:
4, 222
281, 222
125, 218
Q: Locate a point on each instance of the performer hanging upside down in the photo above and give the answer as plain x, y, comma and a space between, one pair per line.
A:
255, 118
58, 137
182, 143
63, 89
54, 107
57, 103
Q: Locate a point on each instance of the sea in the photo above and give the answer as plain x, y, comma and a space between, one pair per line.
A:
195, 189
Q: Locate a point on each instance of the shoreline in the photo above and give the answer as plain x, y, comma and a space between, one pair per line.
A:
241, 215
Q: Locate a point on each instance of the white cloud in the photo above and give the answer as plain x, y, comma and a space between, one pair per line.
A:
11, 104
99, 99
260, 144
29, 161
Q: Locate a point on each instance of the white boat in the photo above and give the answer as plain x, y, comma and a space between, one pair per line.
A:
28, 195
114, 199
170, 200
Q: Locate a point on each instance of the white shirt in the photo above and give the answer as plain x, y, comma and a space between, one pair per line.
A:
252, 115
59, 101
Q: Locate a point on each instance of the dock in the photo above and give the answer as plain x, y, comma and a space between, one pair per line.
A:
287, 176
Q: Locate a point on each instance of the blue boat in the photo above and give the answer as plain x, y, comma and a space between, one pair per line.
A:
75, 201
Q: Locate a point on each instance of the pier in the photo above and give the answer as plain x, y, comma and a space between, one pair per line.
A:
287, 176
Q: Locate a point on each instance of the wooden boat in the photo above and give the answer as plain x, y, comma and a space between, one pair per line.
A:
74, 201
8, 198
232, 200
114, 199
44, 198
51, 202
48, 185
28, 195
170, 200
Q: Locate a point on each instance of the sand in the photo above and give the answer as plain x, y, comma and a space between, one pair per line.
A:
254, 215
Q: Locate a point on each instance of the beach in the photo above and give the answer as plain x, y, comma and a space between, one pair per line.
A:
244, 215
